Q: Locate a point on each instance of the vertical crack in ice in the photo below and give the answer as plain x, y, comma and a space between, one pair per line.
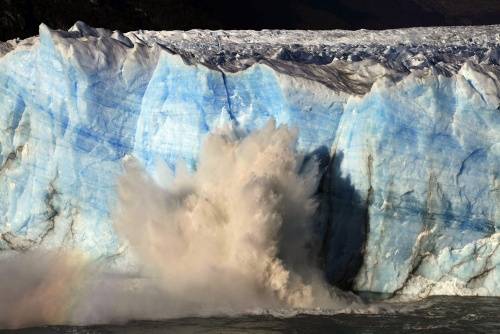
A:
228, 99
52, 211
420, 249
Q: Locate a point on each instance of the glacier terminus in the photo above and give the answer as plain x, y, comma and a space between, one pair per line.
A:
405, 125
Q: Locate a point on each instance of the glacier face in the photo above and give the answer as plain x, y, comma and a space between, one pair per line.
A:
406, 124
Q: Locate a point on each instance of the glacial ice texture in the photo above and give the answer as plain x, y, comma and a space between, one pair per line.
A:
405, 124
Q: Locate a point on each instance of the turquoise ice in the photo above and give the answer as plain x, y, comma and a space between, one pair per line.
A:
408, 133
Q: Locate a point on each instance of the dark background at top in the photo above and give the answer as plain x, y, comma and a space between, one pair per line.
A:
20, 18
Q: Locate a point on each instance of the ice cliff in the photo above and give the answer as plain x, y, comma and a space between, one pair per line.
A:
405, 123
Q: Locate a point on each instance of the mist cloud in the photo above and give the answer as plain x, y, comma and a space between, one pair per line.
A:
232, 237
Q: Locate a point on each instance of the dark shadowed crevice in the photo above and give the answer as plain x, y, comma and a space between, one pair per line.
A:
343, 223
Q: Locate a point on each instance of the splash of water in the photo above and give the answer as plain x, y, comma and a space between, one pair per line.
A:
234, 234
232, 237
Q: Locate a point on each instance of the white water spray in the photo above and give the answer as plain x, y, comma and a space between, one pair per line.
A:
233, 234
230, 238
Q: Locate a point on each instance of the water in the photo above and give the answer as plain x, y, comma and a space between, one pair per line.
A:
432, 315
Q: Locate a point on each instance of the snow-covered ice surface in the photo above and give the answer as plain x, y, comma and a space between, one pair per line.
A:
405, 122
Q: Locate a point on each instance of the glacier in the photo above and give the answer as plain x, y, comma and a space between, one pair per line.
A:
405, 124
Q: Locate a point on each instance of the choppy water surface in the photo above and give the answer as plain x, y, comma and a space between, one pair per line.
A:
433, 315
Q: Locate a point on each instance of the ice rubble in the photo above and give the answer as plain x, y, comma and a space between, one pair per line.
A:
406, 124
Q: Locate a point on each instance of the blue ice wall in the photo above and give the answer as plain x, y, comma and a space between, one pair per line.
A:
426, 153
185, 102
411, 191
68, 117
